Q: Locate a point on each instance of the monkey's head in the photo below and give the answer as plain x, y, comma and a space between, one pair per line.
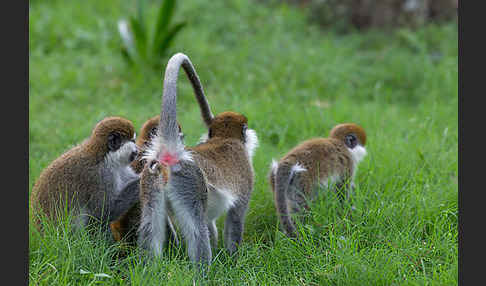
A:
114, 139
351, 134
149, 131
229, 124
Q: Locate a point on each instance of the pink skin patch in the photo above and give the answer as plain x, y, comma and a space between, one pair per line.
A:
168, 159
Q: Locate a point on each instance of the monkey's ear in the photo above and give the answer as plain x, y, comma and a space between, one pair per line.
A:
114, 141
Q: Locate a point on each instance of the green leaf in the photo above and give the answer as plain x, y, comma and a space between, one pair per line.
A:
140, 12
161, 45
126, 55
166, 11
140, 37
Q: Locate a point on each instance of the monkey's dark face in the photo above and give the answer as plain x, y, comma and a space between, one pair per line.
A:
229, 125
351, 134
115, 136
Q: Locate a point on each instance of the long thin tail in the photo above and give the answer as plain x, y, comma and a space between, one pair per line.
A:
282, 179
168, 122
169, 147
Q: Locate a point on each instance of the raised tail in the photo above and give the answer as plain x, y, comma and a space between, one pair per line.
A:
170, 88
168, 148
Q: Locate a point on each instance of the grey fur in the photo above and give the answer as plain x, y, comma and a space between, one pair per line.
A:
187, 195
168, 116
233, 226
120, 185
282, 179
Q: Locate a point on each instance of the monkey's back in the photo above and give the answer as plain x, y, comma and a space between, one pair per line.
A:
67, 179
322, 158
225, 163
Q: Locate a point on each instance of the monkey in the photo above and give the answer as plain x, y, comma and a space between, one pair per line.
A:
126, 226
206, 180
314, 162
93, 180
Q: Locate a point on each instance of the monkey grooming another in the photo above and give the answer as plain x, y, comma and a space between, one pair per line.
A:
127, 225
320, 161
94, 179
206, 180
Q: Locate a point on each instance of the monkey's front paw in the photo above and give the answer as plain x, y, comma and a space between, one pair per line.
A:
154, 167
154, 173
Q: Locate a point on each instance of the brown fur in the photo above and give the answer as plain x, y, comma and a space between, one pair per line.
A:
223, 156
224, 161
323, 158
147, 180
73, 177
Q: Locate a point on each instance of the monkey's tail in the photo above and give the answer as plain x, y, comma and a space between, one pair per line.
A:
272, 174
170, 86
282, 178
170, 146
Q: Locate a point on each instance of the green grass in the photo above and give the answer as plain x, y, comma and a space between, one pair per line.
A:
294, 82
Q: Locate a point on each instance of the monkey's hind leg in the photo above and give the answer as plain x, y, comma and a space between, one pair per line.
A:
188, 198
233, 226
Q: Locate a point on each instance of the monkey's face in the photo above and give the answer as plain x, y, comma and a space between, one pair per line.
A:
115, 137
354, 137
351, 134
229, 125
123, 149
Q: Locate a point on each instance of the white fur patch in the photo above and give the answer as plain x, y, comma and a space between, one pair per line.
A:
157, 144
121, 157
357, 153
219, 201
297, 168
274, 167
119, 164
204, 137
251, 142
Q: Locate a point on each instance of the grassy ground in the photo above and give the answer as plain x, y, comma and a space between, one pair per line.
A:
293, 82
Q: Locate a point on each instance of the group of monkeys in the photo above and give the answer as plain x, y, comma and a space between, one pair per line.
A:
141, 191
